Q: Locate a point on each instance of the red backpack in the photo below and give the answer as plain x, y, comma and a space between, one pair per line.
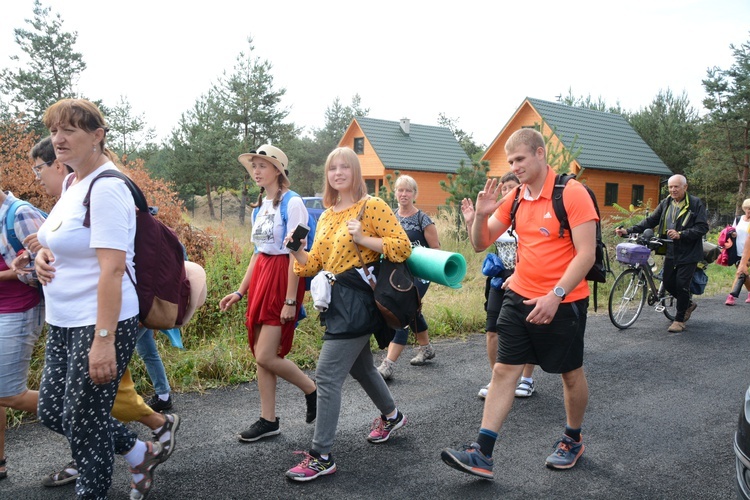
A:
160, 280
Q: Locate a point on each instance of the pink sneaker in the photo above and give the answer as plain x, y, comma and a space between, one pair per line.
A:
382, 428
730, 300
312, 467
747, 300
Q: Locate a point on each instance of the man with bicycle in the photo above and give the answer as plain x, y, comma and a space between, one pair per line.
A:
543, 316
682, 218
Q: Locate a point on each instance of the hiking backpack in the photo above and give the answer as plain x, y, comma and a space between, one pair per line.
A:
600, 269
312, 223
160, 280
10, 220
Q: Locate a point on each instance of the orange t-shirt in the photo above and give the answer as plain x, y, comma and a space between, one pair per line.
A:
543, 257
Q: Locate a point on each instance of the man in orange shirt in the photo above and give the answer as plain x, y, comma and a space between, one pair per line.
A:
543, 316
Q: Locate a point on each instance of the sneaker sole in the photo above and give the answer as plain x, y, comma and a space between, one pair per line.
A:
451, 461
551, 465
303, 479
264, 435
524, 394
383, 440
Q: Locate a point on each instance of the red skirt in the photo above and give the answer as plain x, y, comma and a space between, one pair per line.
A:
265, 299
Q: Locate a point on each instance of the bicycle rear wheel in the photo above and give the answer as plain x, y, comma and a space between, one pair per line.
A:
669, 303
627, 297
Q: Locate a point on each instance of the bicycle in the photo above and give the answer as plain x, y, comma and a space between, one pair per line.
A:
636, 284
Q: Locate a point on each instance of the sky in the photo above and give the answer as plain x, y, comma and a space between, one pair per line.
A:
473, 60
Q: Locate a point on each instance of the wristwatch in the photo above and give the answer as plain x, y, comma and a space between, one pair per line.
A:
102, 332
290, 302
559, 292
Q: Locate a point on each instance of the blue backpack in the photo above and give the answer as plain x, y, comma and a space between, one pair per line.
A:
10, 221
312, 222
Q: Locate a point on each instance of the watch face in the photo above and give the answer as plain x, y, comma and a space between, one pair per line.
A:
559, 291
103, 332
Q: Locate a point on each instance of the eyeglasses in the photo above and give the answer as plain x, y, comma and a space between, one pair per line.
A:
38, 168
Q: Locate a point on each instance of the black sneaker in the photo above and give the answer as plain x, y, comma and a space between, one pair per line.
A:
259, 430
160, 405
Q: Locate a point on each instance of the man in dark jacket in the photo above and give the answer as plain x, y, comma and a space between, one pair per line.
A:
681, 218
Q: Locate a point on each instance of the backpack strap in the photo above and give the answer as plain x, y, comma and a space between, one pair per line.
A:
514, 209
557, 202
138, 196
10, 221
284, 212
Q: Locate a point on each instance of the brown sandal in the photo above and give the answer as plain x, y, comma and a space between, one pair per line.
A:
153, 457
63, 477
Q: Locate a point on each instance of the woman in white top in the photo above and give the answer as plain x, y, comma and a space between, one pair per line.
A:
742, 226
91, 306
274, 292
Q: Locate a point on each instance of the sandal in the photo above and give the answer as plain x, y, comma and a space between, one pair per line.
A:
4, 472
151, 459
63, 477
171, 424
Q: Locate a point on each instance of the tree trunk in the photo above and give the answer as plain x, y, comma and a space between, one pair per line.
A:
210, 201
243, 200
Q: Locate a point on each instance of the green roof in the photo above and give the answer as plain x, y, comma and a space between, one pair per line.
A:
426, 148
607, 140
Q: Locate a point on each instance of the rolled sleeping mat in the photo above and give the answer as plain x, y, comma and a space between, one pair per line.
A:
446, 268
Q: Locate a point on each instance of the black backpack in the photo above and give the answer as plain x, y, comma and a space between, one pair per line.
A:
600, 269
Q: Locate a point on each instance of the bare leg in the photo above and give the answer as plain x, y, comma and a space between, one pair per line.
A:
528, 370
500, 396
492, 348
394, 351
26, 401
423, 338
3, 417
271, 366
153, 421
576, 393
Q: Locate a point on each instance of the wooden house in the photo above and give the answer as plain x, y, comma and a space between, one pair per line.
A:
427, 153
613, 161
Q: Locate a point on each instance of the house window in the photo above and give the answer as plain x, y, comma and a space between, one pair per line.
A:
372, 187
637, 197
610, 194
359, 145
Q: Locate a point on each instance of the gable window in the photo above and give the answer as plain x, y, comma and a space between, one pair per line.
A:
636, 197
359, 145
372, 186
610, 194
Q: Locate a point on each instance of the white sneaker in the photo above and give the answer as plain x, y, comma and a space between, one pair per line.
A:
386, 369
483, 391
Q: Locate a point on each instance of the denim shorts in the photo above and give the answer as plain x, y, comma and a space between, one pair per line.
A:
18, 334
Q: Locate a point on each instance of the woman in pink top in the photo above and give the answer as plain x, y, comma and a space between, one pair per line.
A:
21, 317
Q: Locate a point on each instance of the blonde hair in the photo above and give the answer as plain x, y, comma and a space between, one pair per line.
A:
406, 181
746, 204
82, 114
359, 189
527, 137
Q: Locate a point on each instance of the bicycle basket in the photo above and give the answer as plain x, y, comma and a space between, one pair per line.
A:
632, 253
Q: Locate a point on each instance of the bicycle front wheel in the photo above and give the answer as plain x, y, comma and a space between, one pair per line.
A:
627, 297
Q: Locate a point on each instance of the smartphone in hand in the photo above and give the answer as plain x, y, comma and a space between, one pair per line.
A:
300, 233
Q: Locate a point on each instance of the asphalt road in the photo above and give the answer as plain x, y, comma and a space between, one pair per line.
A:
662, 413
